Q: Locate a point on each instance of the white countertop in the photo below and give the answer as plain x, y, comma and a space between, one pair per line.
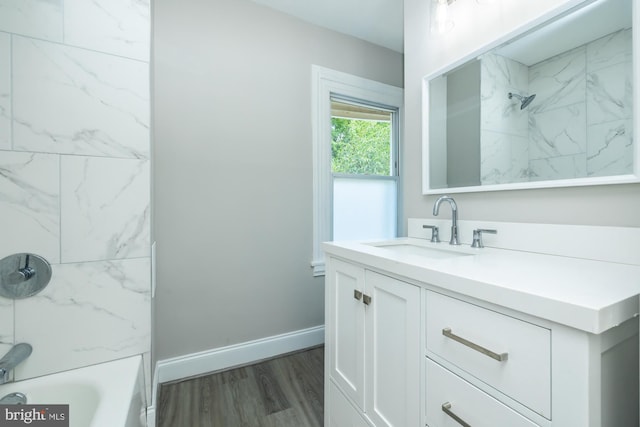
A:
592, 296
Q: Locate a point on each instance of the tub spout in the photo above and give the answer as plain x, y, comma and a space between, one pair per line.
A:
14, 399
13, 358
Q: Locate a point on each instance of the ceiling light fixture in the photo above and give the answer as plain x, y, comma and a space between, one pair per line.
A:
442, 22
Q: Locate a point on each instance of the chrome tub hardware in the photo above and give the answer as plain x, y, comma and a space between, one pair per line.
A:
477, 236
13, 358
435, 233
454, 217
23, 275
500, 357
14, 399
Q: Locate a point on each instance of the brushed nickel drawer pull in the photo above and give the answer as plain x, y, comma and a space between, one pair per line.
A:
357, 294
500, 357
446, 408
366, 299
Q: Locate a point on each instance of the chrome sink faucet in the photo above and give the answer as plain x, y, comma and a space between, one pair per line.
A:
13, 358
454, 217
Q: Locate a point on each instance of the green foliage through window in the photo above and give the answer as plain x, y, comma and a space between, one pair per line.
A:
361, 147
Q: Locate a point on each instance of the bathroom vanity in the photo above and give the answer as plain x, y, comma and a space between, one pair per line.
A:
421, 333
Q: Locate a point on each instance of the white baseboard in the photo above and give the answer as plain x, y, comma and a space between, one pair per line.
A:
218, 359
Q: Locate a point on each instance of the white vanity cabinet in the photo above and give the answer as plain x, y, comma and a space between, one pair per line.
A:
406, 348
373, 348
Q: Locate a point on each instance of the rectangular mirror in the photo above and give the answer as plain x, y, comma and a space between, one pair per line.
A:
551, 107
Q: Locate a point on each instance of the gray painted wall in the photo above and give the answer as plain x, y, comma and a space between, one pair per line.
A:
615, 205
233, 168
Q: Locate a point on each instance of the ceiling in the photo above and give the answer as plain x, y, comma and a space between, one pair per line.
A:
376, 21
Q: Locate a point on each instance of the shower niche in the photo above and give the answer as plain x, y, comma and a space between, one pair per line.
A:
552, 106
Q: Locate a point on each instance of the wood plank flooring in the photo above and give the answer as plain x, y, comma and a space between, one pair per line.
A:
281, 392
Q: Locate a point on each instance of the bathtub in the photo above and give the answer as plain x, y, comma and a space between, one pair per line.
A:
106, 395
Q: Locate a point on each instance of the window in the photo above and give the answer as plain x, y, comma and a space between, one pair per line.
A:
356, 134
364, 171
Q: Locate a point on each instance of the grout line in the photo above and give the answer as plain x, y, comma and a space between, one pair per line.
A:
60, 208
11, 93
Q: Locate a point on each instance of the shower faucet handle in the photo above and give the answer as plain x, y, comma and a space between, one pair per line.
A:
22, 274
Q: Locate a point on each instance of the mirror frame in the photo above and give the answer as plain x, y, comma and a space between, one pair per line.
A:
507, 38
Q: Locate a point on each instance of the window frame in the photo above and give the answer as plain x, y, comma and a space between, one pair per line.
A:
328, 84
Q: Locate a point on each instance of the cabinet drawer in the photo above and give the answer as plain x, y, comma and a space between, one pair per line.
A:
474, 338
465, 401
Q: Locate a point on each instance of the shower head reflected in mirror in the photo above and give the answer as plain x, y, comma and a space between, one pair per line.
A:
524, 100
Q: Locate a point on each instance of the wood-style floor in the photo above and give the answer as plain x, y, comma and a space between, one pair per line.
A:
281, 392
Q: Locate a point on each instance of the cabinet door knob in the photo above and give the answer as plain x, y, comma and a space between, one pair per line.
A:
500, 357
366, 299
357, 294
446, 408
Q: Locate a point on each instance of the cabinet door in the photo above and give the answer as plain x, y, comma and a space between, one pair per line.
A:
342, 414
345, 328
392, 352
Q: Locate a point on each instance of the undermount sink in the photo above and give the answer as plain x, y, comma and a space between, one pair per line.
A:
407, 248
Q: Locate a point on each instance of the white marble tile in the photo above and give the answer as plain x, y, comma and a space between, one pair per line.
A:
121, 27
610, 93
610, 148
503, 72
499, 76
503, 115
6, 325
609, 50
558, 81
30, 204
73, 101
5, 91
34, 18
566, 167
105, 208
89, 313
504, 158
519, 159
558, 132
495, 158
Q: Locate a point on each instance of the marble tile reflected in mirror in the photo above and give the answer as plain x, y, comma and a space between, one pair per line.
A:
545, 115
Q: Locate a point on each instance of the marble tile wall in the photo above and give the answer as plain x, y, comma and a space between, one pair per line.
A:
579, 125
5, 91
580, 122
75, 177
504, 127
610, 105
